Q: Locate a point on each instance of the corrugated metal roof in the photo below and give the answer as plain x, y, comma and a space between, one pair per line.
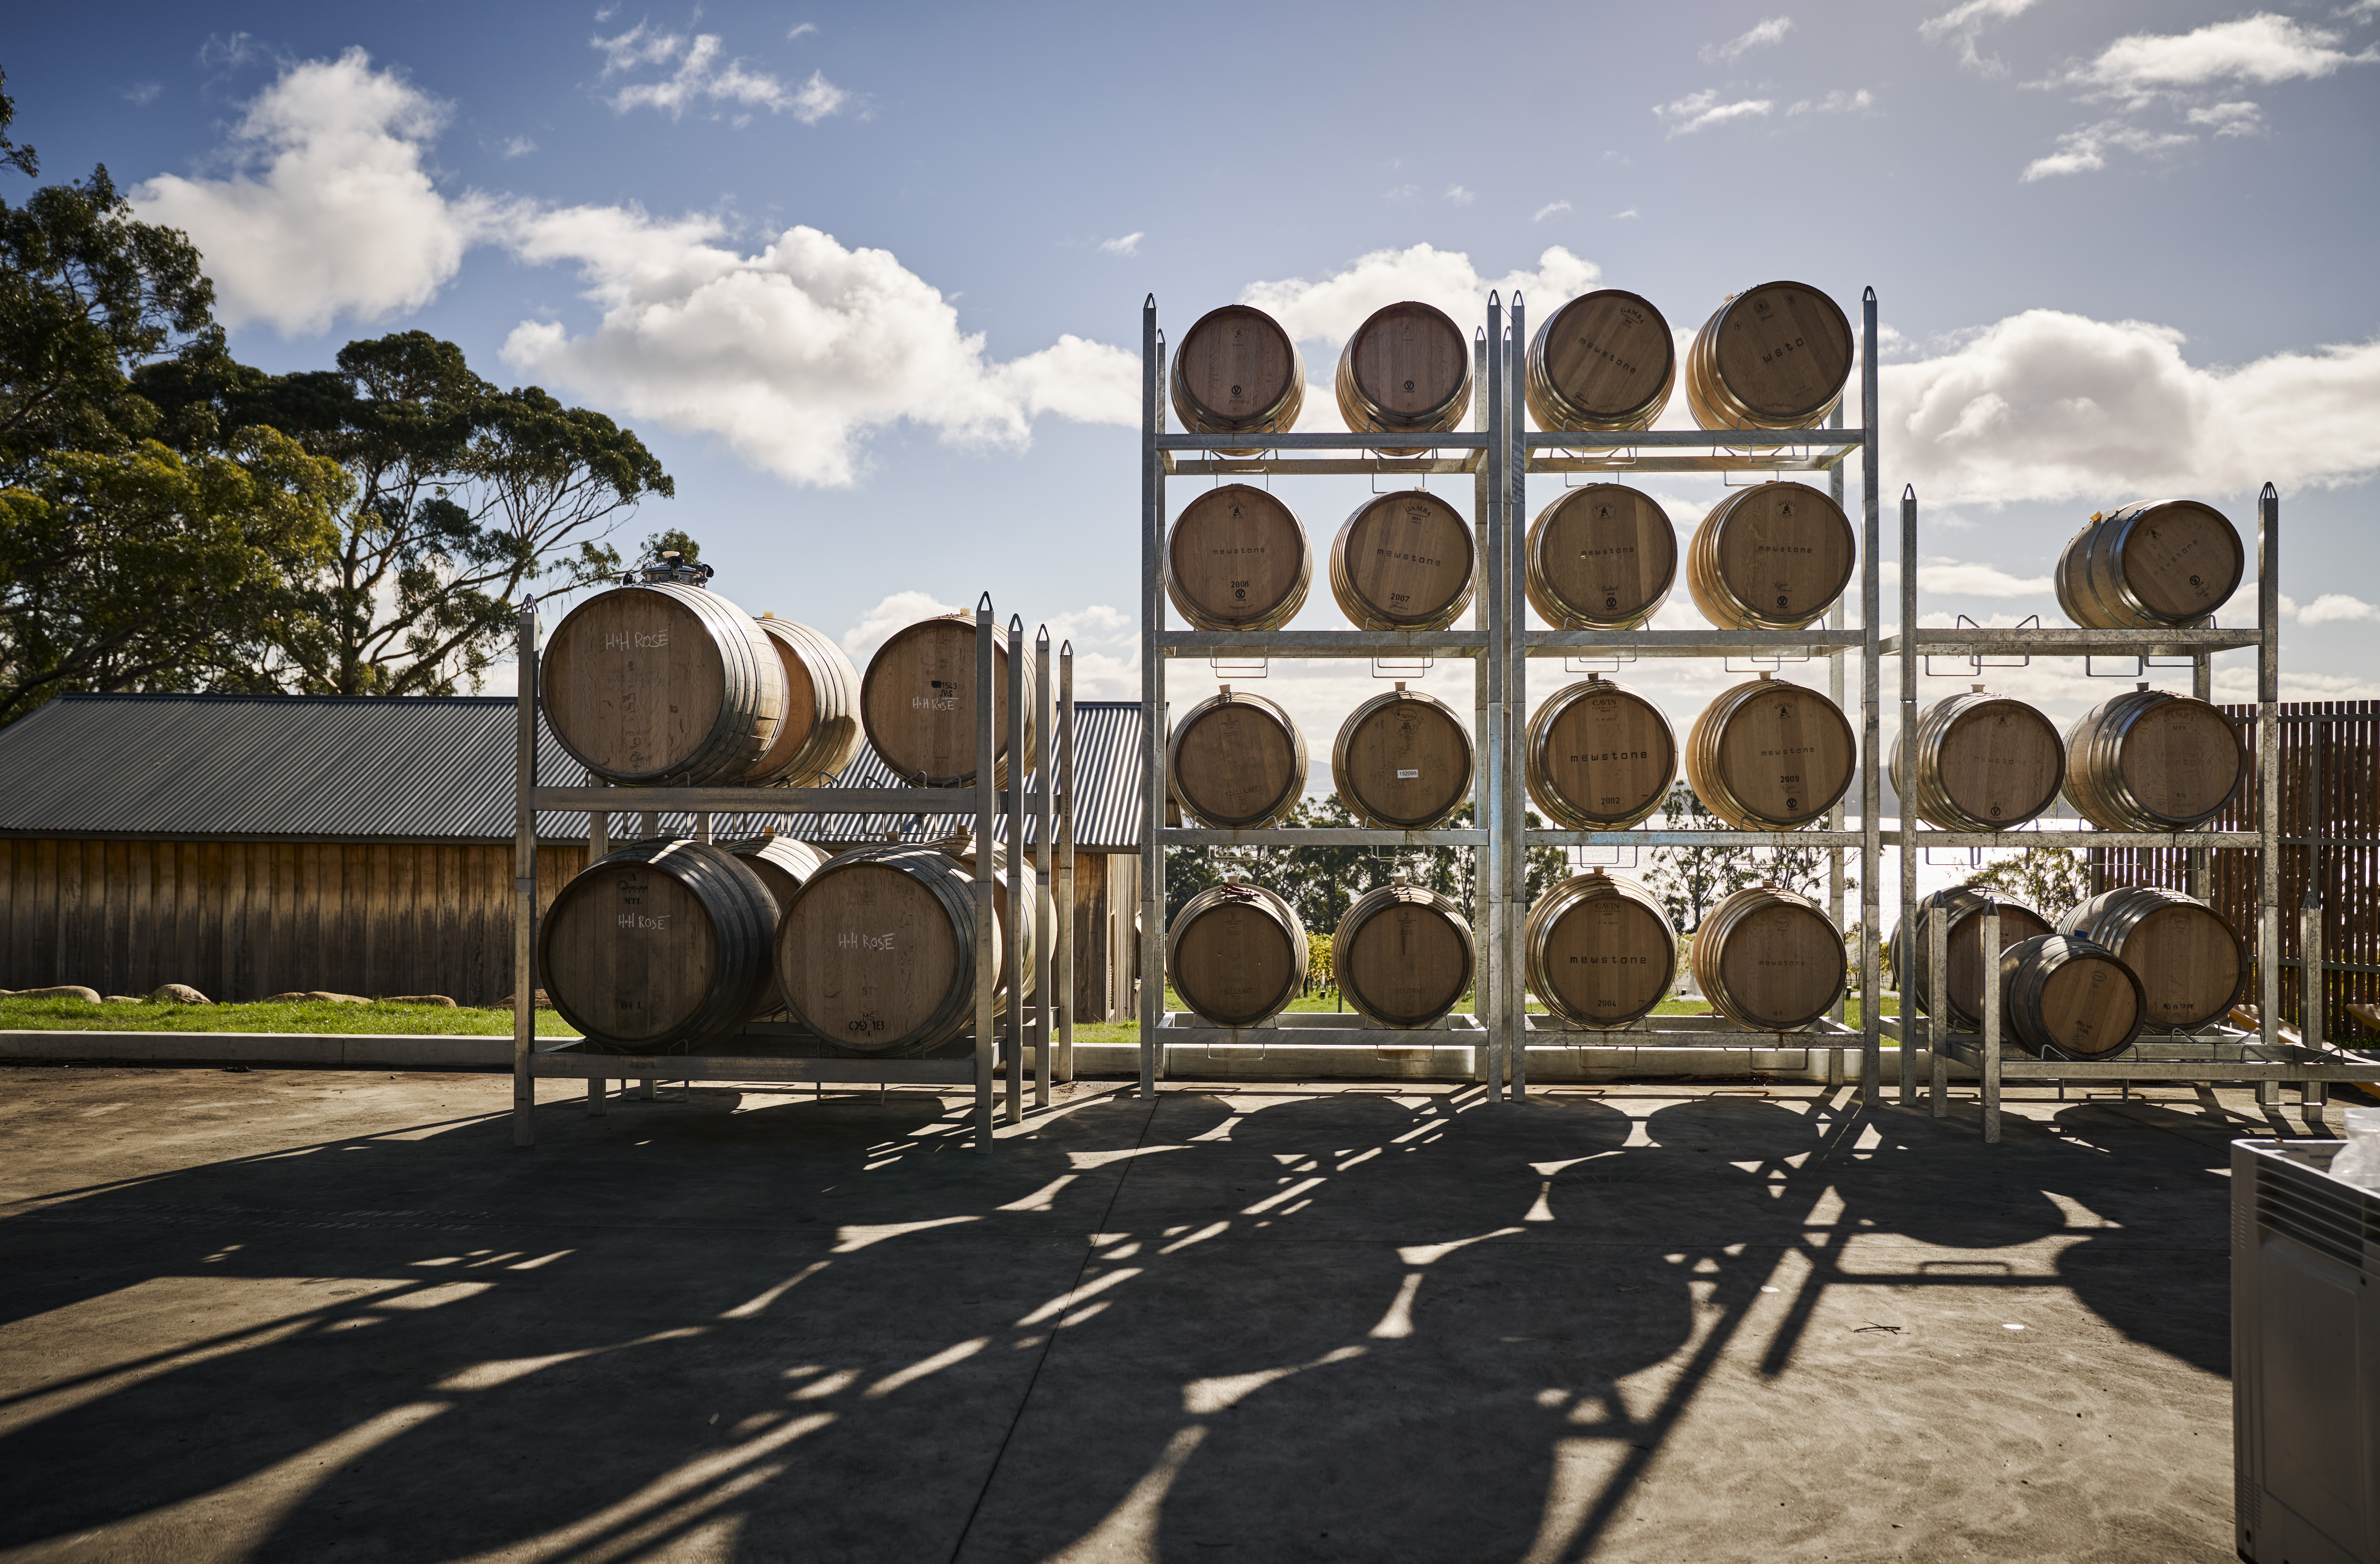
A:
416, 768
1107, 785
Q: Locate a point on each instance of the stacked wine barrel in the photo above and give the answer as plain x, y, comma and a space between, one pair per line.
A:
1961, 911
1236, 954
1406, 370
1235, 762
918, 702
1237, 373
668, 684
1773, 556
1600, 758
2150, 760
1403, 762
1771, 756
2151, 564
1600, 950
2064, 995
1769, 959
1403, 956
1601, 557
1978, 761
2192, 966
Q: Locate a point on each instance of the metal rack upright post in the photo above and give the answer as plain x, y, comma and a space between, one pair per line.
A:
782, 1051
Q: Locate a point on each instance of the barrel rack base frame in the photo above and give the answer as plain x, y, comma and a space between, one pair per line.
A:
1498, 453
998, 1044
2215, 1054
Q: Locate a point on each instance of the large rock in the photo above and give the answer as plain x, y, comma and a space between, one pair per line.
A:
178, 994
64, 991
439, 1000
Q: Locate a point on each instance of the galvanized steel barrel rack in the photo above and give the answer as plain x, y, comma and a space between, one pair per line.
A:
1461, 1044
781, 1051
1615, 455
2216, 1053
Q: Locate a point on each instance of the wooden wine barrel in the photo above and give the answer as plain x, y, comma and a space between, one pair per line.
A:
877, 950
1027, 959
662, 684
1404, 561
1403, 956
784, 866
1237, 373
2193, 966
1772, 556
1601, 557
1403, 762
1406, 370
2062, 995
1604, 361
1775, 357
918, 702
1235, 762
1982, 763
2150, 760
1601, 949
1237, 559
1769, 959
1771, 756
659, 947
2155, 562
1600, 757
1962, 909
818, 735
1236, 954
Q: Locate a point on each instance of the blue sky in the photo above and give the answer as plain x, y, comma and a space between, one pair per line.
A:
868, 279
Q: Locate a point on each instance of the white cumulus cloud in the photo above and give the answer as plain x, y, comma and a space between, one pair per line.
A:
1966, 23
1330, 310
897, 612
1966, 579
1459, 196
792, 355
2230, 120
2335, 605
2050, 406
2262, 48
1548, 209
1761, 35
1698, 111
2084, 149
702, 73
1860, 101
327, 209
1128, 245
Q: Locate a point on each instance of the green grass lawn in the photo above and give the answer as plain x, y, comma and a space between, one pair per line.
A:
79, 1015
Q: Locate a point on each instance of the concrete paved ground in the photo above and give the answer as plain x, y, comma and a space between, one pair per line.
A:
328, 1316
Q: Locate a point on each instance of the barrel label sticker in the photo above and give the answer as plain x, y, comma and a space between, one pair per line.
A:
863, 942
1405, 776
633, 640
